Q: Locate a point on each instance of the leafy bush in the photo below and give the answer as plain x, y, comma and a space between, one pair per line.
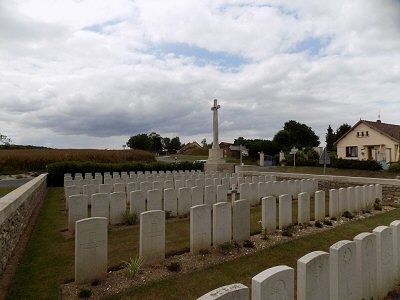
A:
134, 265
341, 163
328, 222
248, 244
319, 224
57, 170
349, 215
394, 167
130, 218
84, 293
174, 267
377, 204
225, 248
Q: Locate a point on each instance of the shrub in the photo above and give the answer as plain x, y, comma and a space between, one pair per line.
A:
204, 251
348, 215
394, 167
328, 222
248, 244
341, 163
134, 265
174, 267
377, 204
57, 170
319, 224
129, 218
289, 230
225, 248
84, 293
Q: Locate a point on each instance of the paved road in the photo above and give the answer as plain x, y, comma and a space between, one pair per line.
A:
13, 182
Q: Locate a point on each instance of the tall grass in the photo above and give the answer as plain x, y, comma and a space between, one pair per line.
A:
37, 159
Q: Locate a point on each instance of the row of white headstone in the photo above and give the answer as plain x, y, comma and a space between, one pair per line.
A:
230, 181
366, 268
91, 235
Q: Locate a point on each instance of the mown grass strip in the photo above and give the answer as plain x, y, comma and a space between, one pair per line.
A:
4, 191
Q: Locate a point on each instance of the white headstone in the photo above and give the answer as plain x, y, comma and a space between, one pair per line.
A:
303, 211
152, 236
90, 249
285, 211
273, 283
171, 201
366, 265
378, 192
222, 194
319, 205
100, 205
342, 200
384, 249
154, 200
169, 184
200, 227
396, 248
334, 203
70, 191
343, 270
146, 186
236, 291
184, 201
105, 188
222, 223
313, 276
158, 185
77, 210
119, 187
268, 214
244, 190
137, 202
210, 195
262, 190
241, 220
351, 199
197, 195
253, 193
89, 190
117, 207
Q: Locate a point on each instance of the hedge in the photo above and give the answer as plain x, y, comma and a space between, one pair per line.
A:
341, 163
57, 170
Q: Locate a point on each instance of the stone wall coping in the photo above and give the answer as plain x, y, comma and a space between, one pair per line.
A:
395, 182
13, 200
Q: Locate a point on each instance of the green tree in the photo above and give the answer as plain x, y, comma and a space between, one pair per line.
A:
140, 141
342, 130
156, 142
282, 138
166, 143
301, 135
175, 144
330, 138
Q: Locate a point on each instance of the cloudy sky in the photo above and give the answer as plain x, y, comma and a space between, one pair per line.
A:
91, 73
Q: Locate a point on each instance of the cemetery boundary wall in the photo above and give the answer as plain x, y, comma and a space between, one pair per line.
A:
16, 210
390, 187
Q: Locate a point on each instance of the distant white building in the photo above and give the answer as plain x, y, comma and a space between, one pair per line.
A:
368, 140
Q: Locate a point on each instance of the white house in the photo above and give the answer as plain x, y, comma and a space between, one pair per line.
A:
368, 140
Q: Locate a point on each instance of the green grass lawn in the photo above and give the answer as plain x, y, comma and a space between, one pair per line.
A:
49, 257
6, 190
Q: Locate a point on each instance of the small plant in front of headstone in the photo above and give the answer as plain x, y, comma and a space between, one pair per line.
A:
174, 267
289, 230
347, 214
134, 265
225, 248
84, 293
333, 218
204, 251
237, 245
130, 218
249, 244
168, 214
328, 222
319, 224
369, 208
95, 282
378, 204
264, 234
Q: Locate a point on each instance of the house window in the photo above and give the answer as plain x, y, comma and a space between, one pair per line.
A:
358, 134
352, 151
366, 133
362, 133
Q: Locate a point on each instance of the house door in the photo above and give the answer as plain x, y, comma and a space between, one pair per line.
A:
370, 153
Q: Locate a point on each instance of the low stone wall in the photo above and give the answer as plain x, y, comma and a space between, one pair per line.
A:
390, 187
15, 212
